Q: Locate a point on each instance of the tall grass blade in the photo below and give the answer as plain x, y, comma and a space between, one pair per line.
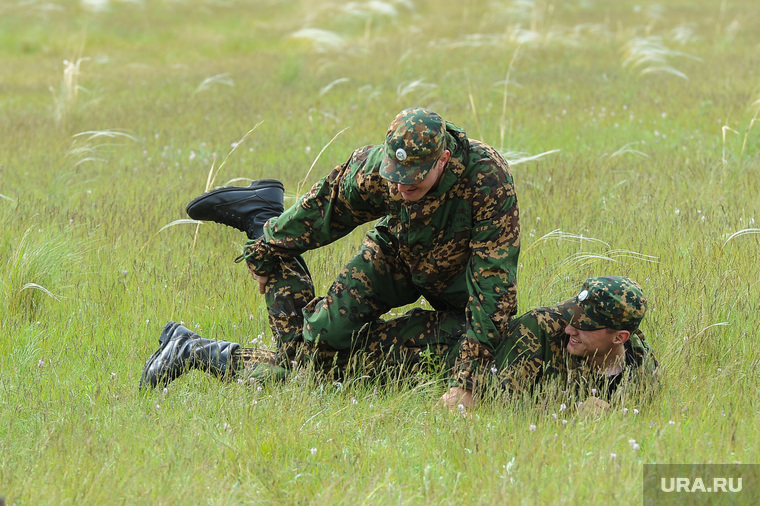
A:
322, 40
218, 79
518, 158
181, 221
740, 233
303, 181
35, 286
330, 86
559, 235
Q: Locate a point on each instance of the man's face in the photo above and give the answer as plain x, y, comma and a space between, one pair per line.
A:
590, 343
414, 192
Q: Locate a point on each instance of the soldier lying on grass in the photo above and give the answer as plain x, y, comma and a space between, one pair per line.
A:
591, 343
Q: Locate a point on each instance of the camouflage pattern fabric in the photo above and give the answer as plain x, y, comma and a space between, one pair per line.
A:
258, 364
457, 247
255, 356
415, 140
535, 349
613, 302
403, 341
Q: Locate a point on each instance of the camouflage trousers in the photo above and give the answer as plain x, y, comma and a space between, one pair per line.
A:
350, 326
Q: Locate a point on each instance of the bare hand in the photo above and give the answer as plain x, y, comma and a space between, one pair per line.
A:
261, 280
457, 398
593, 406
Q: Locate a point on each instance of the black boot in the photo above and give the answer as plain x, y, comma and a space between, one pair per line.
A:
244, 208
182, 350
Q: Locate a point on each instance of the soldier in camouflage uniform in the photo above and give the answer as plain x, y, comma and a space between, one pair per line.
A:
592, 341
448, 231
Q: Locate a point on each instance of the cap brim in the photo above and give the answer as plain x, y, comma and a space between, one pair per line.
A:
568, 309
576, 317
404, 174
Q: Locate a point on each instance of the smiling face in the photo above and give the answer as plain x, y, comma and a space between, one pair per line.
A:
603, 347
589, 343
414, 192
601, 318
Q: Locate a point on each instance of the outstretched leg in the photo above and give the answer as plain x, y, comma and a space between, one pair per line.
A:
243, 208
180, 350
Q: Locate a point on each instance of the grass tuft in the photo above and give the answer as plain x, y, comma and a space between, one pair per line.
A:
66, 97
38, 266
651, 55
323, 41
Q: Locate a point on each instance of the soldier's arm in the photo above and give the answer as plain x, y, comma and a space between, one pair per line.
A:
491, 272
458, 399
532, 347
352, 194
517, 366
520, 358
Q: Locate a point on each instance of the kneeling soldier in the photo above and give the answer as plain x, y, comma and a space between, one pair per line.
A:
448, 231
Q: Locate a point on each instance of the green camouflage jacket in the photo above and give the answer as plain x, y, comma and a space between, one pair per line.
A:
460, 242
534, 349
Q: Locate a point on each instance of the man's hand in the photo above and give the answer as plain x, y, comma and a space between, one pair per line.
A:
593, 406
261, 280
457, 397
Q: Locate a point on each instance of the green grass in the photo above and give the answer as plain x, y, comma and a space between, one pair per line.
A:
658, 162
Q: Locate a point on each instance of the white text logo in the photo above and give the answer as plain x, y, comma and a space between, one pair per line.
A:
698, 485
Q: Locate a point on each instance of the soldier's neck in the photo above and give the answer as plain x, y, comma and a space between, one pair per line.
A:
611, 364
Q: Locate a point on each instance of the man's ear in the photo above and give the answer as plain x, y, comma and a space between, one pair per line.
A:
621, 336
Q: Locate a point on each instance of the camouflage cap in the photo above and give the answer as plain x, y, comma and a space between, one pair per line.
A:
607, 302
416, 138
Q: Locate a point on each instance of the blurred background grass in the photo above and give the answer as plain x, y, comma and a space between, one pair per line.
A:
632, 132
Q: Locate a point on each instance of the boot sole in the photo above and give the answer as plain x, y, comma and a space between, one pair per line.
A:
255, 186
163, 340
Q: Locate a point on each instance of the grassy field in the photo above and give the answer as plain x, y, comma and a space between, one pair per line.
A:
632, 131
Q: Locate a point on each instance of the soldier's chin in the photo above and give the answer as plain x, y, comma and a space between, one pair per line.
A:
573, 348
411, 195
